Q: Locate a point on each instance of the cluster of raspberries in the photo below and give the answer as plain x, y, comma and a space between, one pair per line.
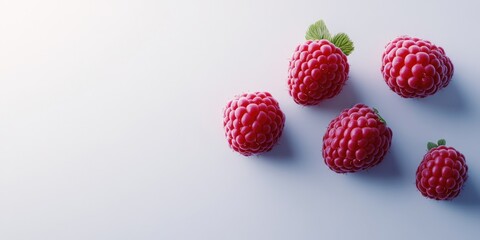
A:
358, 138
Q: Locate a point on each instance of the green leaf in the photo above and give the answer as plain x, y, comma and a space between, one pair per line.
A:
378, 115
343, 42
441, 142
318, 31
431, 145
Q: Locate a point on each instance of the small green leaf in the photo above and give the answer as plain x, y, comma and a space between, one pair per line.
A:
378, 115
441, 142
343, 42
318, 31
431, 145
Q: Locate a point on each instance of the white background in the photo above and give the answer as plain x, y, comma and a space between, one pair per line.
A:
111, 122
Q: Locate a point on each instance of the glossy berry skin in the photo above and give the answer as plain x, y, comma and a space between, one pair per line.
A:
442, 173
253, 123
356, 140
317, 71
415, 68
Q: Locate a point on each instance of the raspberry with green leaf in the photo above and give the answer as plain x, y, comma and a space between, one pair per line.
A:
357, 139
319, 68
442, 172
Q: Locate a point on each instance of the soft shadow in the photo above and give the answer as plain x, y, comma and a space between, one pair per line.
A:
469, 196
387, 170
283, 151
447, 100
345, 99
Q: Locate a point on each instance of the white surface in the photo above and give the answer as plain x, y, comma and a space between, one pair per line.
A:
111, 122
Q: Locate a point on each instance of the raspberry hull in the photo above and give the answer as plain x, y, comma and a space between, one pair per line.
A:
442, 173
317, 71
253, 123
357, 139
415, 68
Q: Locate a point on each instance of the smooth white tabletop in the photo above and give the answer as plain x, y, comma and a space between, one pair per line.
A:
111, 122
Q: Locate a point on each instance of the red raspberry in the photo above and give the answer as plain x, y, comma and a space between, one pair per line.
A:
319, 67
253, 123
357, 139
413, 67
442, 172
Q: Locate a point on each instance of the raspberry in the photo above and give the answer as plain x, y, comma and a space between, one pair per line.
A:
253, 123
442, 172
415, 68
357, 139
318, 68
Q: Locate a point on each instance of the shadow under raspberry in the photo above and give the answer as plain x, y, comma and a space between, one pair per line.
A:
386, 171
447, 100
283, 151
345, 99
469, 196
